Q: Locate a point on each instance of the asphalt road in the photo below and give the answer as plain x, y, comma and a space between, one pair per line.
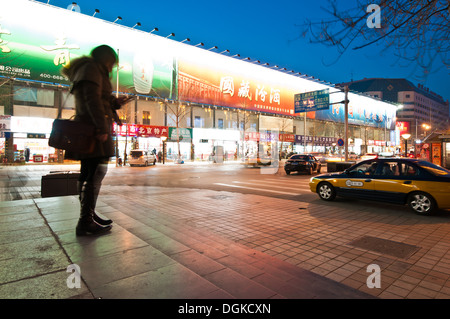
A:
21, 182
266, 181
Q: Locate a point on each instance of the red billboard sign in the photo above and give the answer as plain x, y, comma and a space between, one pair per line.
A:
403, 127
141, 130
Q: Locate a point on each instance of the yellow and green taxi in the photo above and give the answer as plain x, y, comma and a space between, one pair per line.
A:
423, 186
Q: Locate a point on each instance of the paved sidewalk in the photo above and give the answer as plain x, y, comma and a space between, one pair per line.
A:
171, 243
157, 249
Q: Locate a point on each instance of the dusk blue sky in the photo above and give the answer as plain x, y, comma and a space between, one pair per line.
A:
263, 30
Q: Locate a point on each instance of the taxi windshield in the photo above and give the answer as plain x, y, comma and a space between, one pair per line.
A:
434, 169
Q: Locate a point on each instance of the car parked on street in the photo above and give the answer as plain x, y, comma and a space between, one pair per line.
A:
423, 186
302, 163
141, 158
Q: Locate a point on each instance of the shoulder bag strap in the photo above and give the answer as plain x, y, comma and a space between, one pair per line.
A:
61, 106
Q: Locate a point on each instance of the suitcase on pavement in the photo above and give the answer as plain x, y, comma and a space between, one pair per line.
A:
59, 184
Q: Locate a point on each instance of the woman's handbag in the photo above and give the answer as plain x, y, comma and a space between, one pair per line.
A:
72, 136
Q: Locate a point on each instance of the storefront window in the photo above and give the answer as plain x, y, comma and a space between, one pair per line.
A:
25, 94
447, 154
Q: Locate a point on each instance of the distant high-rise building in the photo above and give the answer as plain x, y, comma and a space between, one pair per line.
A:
425, 110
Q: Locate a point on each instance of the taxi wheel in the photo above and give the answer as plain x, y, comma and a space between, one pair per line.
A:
326, 191
422, 203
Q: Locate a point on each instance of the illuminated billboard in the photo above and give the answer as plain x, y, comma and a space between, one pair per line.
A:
38, 40
362, 110
403, 127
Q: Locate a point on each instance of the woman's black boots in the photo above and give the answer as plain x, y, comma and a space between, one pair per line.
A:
88, 224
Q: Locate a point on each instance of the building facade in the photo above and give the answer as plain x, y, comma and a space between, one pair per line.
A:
423, 110
189, 102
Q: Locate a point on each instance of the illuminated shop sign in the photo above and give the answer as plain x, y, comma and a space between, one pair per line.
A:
23, 124
317, 140
180, 134
403, 127
139, 130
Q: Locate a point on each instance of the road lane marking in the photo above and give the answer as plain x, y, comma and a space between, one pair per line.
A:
279, 182
257, 189
262, 184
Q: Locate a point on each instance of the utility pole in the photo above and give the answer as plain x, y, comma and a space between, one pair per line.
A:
346, 123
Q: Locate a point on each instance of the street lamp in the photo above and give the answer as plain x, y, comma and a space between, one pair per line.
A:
426, 127
406, 136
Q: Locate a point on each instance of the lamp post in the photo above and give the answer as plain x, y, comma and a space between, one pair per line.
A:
406, 136
164, 138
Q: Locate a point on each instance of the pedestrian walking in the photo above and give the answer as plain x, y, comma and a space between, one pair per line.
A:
94, 104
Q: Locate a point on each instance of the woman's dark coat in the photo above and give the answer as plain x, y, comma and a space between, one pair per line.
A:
94, 103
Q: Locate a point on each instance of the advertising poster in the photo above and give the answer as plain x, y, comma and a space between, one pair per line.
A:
436, 153
361, 111
208, 78
424, 151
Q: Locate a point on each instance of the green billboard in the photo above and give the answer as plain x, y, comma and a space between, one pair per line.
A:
37, 41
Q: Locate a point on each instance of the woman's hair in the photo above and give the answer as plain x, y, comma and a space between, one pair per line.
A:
101, 54
104, 53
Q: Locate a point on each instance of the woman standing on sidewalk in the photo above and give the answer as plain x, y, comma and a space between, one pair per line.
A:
95, 105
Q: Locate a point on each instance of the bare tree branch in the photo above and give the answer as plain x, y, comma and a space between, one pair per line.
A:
418, 30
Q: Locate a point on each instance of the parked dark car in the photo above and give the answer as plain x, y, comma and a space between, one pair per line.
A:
302, 163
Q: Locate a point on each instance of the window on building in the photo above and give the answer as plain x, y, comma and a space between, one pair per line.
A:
198, 122
25, 94
45, 97
220, 123
34, 96
146, 117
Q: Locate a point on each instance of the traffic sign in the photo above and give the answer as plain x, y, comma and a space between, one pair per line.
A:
340, 142
312, 101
